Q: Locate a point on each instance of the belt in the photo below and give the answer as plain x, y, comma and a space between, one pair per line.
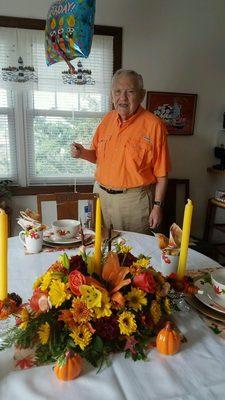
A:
111, 191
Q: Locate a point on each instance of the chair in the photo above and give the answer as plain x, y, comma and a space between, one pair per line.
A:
211, 224
176, 196
67, 205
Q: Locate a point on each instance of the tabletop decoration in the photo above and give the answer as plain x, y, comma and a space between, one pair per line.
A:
75, 315
168, 340
186, 229
170, 245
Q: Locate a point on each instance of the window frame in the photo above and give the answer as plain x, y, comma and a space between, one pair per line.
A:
39, 24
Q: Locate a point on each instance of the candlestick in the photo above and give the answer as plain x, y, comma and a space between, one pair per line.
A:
98, 237
3, 254
185, 239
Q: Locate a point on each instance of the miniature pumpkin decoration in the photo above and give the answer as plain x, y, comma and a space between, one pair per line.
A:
68, 367
168, 340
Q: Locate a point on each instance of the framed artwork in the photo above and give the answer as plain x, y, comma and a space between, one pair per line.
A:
176, 109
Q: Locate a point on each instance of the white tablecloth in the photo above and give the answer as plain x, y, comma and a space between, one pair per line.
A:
196, 372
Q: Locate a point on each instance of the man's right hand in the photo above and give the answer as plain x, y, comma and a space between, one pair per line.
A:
76, 150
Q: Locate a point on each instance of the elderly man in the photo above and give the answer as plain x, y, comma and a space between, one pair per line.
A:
130, 150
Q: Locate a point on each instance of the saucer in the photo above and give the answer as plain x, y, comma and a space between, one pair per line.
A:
49, 238
209, 297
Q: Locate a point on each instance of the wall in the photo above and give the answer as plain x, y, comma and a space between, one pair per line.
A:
178, 46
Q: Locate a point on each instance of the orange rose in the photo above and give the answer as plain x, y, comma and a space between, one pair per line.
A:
76, 279
145, 281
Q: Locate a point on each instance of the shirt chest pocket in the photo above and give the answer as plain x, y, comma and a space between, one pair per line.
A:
101, 149
138, 152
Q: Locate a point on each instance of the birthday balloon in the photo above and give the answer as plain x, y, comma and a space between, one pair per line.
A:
69, 30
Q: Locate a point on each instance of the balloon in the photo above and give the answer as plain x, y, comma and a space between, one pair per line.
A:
69, 30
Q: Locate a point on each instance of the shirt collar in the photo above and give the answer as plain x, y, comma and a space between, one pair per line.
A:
132, 118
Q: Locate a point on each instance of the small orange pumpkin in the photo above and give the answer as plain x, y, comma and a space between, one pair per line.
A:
168, 340
69, 367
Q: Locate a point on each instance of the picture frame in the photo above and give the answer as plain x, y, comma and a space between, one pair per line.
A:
176, 109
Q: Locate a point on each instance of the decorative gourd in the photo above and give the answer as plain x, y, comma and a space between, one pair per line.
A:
168, 340
69, 367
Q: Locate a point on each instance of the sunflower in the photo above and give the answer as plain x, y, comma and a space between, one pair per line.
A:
80, 311
127, 323
44, 332
81, 336
104, 310
58, 293
136, 298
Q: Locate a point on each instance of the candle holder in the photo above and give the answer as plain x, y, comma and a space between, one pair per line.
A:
5, 326
178, 301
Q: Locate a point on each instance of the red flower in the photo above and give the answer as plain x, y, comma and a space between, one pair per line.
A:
76, 279
145, 281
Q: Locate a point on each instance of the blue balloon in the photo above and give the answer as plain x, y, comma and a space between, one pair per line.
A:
69, 30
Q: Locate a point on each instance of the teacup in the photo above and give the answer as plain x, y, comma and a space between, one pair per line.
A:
169, 263
218, 282
65, 228
32, 240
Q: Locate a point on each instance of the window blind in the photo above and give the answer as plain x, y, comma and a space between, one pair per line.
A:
52, 114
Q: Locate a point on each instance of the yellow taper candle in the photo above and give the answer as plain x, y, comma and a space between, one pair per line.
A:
3, 254
98, 237
188, 210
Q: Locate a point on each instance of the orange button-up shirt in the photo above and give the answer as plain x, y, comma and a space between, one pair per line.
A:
131, 153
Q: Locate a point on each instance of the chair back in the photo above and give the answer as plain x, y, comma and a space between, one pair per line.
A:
175, 200
67, 205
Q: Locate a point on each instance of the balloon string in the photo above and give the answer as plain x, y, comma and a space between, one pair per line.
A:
71, 67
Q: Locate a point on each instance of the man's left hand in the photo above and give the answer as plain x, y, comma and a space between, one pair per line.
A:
155, 218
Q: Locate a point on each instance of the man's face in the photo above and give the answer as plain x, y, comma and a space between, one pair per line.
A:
126, 96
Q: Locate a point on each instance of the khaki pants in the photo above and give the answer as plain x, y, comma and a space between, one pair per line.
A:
127, 211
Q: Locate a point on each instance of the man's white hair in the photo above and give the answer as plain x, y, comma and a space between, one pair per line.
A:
129, 72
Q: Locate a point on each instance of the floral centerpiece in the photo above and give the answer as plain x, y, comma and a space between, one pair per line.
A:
74, 314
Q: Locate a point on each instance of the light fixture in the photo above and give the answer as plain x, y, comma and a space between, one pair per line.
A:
80, 76
20, 73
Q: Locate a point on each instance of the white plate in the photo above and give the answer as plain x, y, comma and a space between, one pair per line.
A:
209, 297
49, 237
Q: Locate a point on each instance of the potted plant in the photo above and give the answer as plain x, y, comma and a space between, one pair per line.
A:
5, 194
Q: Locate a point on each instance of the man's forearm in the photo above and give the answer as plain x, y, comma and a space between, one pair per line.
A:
160, 188
89, 155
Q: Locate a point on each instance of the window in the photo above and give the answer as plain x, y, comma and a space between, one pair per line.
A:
39, 121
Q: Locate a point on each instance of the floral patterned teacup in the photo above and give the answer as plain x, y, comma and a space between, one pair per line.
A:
169, 263
32, 240
218, 282
65, 228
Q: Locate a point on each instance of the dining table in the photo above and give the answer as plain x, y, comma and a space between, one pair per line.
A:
197, 371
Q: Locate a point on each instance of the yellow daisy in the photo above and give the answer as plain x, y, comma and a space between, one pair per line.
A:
24, 317
44, 332
136, 298
91, 296
143, 262
37, 282
46, 280
80, 311
81, 336
155, 311
127, 323
58, 293
104, 310
125, 249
